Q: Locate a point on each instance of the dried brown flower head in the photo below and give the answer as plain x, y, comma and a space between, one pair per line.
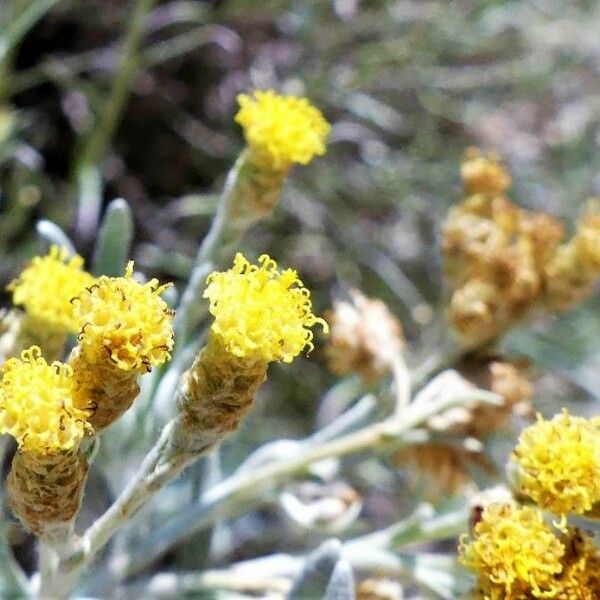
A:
364, 337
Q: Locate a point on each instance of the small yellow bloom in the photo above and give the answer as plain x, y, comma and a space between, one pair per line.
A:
483, 174
261, 313
36, 404
125, 322
282, 129
558, 463
46, 287
514, 553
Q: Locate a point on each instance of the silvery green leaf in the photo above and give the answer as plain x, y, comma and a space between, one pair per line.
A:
53, 234
313, 579
341, 584
113, 245
89, 201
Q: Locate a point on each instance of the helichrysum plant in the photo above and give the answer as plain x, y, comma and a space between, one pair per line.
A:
97, 368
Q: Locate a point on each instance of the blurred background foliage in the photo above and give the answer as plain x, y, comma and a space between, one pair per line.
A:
407, 85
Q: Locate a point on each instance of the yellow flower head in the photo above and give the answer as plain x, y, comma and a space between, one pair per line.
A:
558, 463
514, 553
36, 404
261, 313
483, 174
47, 285
282, 129
125, 322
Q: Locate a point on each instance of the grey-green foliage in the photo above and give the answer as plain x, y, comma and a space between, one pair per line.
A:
113, 244
341, 584
314, 578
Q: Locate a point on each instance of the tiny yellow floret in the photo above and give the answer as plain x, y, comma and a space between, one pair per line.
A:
558, 463
261, 313
124, 322
36, 404
282, 129
513, 552
484, 174
47, 285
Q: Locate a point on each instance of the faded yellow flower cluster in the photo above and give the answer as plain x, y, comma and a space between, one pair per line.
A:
125, 322
502, 261
36, 404
282, 130
261, 313
557, 463
516, 555
46, 287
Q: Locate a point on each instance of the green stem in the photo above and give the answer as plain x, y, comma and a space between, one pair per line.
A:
370, 553
13, 582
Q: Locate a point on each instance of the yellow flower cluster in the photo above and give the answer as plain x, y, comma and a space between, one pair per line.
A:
36, 404
282, 130
484, 174
558, 463
501, 260
46, 287
514, 553
517, 556
124, 321
261, 313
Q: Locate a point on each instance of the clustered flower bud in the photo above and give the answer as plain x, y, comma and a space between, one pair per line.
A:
503, 261
47, 285
512, 550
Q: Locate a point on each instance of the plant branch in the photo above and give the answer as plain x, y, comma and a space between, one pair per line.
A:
248, 486
275, 573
